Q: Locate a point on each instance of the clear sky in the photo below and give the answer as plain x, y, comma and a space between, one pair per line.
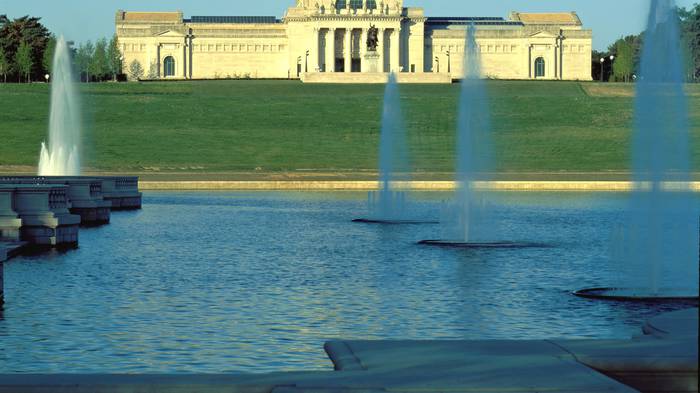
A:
80, 20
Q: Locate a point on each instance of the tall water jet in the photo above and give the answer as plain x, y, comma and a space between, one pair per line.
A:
467, 221
388, 204
62, 155
658, 243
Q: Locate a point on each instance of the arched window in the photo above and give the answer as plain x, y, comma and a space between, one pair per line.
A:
356, 4
372, 4
169, 66
539, 68
341, 4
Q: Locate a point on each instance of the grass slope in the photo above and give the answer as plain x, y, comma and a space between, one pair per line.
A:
287, 126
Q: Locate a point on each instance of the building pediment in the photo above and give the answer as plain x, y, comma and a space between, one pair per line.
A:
543, 34
170, 33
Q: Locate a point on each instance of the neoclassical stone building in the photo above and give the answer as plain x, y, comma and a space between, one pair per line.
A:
324, 41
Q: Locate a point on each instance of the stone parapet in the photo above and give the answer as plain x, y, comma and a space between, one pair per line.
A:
46, 220
84, 195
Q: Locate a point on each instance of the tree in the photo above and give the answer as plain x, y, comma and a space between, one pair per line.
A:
31, 32
690, 32
153, 71
24, 62
135, 70
114, 58
4, 64
48, 55
98, 62
83, 59
623, 67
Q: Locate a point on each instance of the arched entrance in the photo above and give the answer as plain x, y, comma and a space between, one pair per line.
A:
539, 68
169, 66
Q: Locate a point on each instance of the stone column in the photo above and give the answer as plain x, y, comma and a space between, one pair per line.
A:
315, 51
157, 62
330, 50
381, 49
395, 61
363, 50
348, 49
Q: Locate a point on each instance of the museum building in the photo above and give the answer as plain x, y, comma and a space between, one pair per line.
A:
325, 41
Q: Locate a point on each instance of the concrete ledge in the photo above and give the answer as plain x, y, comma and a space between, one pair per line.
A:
282, 185
647, 364
677, 324
342, 356
375, 77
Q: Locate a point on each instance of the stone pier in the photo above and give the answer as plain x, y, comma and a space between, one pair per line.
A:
10, 223
46, 220
122, 191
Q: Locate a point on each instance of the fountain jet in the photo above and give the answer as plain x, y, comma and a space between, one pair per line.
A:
468, 221
388, 205
61, 157
658, 243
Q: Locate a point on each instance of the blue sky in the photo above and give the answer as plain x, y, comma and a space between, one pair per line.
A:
81, 20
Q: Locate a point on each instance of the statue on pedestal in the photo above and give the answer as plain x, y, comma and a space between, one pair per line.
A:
372, 38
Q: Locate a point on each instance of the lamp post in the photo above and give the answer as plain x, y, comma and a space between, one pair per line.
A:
449, 62
437, 61
47, 76
306, 62
602, 60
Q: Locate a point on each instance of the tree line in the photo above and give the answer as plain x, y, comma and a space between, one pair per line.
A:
627, 52
27, 48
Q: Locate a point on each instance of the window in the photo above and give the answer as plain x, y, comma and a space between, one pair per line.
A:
372, 4
539, 68
169, 66
356, 4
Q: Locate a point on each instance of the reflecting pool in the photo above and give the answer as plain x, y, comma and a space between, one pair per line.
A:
256, 282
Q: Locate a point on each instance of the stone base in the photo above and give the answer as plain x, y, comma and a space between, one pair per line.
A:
125, 203
375, 78
9, 229
61, 236
371, 63
92, 215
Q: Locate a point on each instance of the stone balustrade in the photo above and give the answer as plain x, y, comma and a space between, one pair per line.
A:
122, 191
84, 194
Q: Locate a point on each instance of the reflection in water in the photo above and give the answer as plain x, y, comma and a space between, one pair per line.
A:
236, 282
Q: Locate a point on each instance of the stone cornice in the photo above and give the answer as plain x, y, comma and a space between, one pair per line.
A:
344, 18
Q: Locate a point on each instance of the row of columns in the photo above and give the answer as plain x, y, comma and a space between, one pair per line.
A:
330, 49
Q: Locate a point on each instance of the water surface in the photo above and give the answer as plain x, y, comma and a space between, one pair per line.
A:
256, 282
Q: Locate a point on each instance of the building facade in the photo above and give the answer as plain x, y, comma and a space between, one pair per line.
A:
326, 38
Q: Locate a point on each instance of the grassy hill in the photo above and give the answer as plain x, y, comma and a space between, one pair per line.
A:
288, 126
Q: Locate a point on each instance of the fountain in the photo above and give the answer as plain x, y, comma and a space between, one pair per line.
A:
468, 220
389, 205
61, 157
658, 242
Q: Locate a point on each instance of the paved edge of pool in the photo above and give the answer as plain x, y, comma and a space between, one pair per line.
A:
290, 185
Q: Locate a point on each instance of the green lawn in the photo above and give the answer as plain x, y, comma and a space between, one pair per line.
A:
287, 126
